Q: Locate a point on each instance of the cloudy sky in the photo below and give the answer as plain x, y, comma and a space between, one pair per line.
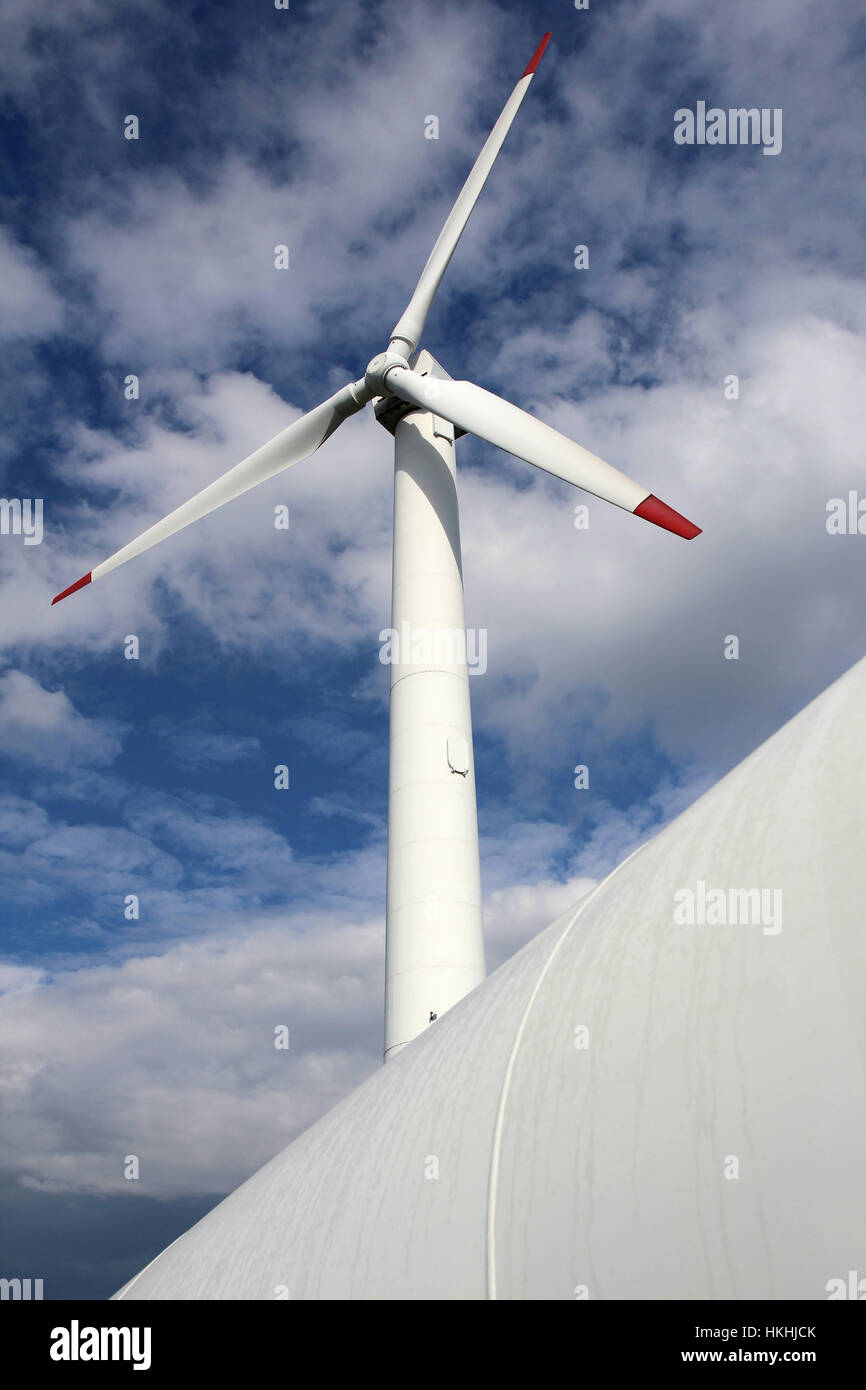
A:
257, 646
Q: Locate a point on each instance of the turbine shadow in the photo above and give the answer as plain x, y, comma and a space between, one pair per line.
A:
429, 470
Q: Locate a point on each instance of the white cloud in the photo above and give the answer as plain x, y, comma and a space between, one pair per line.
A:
43, 726
14, 978
29, 306
172, 1058
195, 745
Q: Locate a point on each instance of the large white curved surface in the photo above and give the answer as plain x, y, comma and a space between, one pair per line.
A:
606, 1169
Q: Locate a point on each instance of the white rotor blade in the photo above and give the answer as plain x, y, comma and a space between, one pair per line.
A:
411, 325
489, 417
291, 446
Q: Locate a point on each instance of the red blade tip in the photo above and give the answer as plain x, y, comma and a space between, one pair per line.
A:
660, 514
79, 584
536, 57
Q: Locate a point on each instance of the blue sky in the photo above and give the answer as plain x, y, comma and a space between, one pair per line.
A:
155, 777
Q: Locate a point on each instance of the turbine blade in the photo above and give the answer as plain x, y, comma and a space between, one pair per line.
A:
489, 417
411, 325
291, 446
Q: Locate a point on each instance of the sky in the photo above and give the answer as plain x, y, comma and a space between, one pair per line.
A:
257, 646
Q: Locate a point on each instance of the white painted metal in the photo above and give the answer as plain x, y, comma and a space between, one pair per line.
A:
378, 367
434, 941
407, 331
293, 445
490, 417
495, 1159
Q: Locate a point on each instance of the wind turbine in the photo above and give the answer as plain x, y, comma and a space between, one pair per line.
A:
434, 943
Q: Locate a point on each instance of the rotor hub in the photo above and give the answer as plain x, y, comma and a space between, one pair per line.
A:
379, 367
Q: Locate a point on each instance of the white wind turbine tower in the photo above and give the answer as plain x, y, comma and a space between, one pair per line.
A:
434, 945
